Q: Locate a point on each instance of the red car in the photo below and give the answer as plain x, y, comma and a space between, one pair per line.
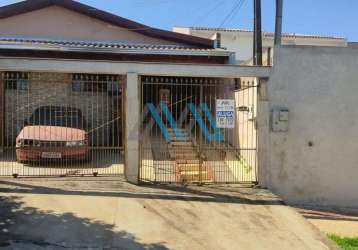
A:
53, 133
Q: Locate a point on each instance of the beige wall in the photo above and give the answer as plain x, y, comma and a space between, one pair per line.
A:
241, 155
319, 86
247, 97
245, 131
60, 23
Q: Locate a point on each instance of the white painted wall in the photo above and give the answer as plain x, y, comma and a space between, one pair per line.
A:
241, 42
319, 86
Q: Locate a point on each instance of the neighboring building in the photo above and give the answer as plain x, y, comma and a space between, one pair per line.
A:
240, 41
353, 44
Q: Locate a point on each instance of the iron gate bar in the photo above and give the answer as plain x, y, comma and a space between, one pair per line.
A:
196, 159
62, 124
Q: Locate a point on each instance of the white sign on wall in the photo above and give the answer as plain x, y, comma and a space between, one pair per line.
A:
225, 113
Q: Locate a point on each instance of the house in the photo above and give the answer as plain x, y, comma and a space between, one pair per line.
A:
240, 41
85, 92
117, 89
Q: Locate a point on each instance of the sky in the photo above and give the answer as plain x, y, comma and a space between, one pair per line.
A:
320, 17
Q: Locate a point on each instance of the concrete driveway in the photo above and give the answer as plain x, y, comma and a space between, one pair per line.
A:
111, 164
108, 213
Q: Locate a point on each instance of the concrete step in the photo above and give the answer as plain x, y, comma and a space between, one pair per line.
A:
184, 133
170, 129
194, 176
178, 154
184, 139
191, 167
183, 157
185, 161
180, 143
192, 156
182, 151
179, 147
181, 133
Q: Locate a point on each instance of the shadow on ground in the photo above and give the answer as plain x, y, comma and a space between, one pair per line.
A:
29, 228
328, 213
118, 188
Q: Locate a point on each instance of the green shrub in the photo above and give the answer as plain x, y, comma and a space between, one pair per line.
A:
345, 242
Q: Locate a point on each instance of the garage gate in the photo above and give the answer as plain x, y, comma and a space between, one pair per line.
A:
55, 124
182, 141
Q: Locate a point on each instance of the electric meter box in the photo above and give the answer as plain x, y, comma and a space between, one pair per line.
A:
280, 119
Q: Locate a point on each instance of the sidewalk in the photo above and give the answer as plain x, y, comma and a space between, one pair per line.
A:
330, 221
109, 213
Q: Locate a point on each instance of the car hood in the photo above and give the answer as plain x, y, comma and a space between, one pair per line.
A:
51, 133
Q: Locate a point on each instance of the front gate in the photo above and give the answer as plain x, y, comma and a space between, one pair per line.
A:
184, 138
54, 124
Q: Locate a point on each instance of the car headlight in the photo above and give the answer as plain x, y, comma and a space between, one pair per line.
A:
70, 144
20, 143
75, 143
27, 143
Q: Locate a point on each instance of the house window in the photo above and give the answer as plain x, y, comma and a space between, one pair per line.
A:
95, 83
17, 81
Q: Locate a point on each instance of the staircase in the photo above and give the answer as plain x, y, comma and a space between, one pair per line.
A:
187, 160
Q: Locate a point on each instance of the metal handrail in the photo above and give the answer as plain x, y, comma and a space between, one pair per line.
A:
180, 101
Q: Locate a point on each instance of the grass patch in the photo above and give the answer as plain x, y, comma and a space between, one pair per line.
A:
344, 242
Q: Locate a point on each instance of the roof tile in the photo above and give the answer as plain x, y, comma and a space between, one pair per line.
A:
105, 46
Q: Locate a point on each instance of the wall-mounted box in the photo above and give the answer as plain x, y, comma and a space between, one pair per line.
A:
283, 115
279, 120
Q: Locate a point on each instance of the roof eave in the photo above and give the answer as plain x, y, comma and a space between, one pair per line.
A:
138, 51
268, 34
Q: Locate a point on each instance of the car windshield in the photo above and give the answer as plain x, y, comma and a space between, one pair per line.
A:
58, 116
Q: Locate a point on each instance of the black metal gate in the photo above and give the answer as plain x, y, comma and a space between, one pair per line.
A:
54, 124
184, 138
